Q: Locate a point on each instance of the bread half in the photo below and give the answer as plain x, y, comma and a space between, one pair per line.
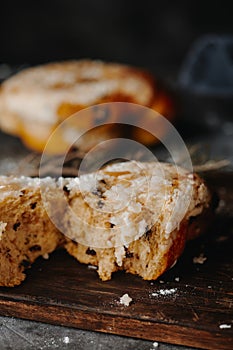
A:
136, 217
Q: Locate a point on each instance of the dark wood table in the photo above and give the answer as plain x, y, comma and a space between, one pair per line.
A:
198, 312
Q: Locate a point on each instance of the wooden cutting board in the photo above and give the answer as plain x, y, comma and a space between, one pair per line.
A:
186, 306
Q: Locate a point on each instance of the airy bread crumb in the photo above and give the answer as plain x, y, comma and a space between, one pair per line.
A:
125, 300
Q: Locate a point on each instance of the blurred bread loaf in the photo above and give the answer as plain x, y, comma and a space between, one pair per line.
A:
36, 100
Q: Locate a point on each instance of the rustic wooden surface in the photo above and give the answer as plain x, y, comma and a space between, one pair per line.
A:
62, 291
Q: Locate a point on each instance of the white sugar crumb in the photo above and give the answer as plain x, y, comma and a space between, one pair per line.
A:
225, 326
155, 345
177, 279
119, 254
199, 259
2, 228
92, 267
46, 256
66, 340
125, 300
164, 292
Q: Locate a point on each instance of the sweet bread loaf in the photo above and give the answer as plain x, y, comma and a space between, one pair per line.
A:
34, 101
130, 216
138, 217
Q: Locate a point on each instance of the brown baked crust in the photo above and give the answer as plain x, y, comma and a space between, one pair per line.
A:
40, 98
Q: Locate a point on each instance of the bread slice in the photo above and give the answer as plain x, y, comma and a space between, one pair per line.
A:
26, 232
135, 217
130, 216
34, 101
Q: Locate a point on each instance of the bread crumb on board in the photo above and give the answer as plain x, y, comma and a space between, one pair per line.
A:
164, 292
125, 300
225, 326
199, 259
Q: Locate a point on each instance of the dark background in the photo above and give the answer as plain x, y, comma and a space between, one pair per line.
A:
151, 34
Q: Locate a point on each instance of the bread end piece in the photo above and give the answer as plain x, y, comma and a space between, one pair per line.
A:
26, 232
